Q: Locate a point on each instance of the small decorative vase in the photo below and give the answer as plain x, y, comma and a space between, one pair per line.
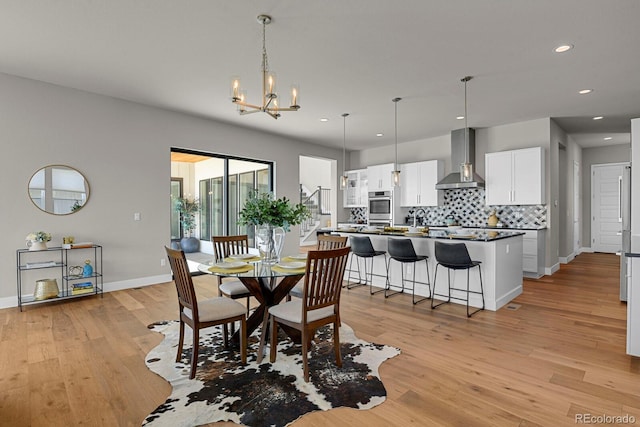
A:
269, 241
492, 221
87, 270
36, 246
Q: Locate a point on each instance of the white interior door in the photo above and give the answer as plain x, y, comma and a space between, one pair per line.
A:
576, 208
606, 214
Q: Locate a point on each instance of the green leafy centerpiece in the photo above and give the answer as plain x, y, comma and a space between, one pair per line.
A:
272, 218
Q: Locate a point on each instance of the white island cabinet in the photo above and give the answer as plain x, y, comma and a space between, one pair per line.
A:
501, 268
515, 177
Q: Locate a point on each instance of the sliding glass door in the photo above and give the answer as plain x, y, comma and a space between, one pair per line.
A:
222, 185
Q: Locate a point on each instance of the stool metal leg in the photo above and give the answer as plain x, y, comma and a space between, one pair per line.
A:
350, 285
413, 296
371, 291
481, 292
435, 276
387, 289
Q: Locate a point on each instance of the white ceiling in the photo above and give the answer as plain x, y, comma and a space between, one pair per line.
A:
352, 56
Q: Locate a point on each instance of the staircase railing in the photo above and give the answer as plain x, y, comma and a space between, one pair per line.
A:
318, 203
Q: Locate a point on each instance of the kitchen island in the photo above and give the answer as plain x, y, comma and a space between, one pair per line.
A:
499, 251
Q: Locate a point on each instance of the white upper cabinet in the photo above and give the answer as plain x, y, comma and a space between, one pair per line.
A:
379, 177
418, 183
355, 195
515, 177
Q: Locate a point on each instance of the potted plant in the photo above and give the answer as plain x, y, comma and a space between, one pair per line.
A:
272, 218
188, 208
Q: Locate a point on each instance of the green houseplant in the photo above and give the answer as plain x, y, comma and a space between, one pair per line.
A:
269, 214
188, 209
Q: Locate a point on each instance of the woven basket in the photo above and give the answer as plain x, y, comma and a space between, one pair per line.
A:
45, 289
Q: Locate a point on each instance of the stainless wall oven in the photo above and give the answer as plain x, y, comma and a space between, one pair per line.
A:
380, 208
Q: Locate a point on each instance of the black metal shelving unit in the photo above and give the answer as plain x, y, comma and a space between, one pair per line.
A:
63, 258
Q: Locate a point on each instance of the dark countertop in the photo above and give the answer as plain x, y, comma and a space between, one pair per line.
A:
479, 236
526, 228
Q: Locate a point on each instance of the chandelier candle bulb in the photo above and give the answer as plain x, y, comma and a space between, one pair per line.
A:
236, 89
272, 85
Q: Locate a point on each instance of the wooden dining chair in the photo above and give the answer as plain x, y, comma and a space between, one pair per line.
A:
325, 242
319, 305
223, 247
204, 313
329, 241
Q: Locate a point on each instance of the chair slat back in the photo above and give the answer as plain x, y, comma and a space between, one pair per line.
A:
323, 278
327, 242
183, 281
224, 246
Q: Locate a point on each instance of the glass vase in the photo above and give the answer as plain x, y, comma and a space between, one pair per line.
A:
269, 241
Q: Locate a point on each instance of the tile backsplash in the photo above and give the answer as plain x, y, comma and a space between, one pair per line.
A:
468, 208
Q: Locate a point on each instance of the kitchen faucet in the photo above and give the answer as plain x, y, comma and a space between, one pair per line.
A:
415, 215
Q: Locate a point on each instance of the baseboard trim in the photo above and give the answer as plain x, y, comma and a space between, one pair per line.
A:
9, 302
567, 259
586, 249
549, 271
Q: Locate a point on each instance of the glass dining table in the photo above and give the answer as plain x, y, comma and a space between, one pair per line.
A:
268, 284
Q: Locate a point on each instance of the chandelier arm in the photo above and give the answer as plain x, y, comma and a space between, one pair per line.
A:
245, 112
245, 104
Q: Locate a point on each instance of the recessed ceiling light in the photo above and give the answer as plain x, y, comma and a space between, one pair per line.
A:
598, 118
460, 118
324, 119
608, 138
563, 48
379, 134
585, 91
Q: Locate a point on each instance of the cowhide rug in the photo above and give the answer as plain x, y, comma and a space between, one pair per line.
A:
263, 394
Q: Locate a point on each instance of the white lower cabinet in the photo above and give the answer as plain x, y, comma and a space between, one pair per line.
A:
533, 253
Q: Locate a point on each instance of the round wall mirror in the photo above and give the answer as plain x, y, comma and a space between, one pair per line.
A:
58, 189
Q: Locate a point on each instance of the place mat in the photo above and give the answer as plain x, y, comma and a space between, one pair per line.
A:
462, 236
293, 259
279, 269
243, 269
252, 259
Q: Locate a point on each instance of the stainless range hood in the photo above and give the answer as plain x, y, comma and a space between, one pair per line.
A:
459, 147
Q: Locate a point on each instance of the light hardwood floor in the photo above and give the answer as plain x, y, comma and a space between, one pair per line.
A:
561, 353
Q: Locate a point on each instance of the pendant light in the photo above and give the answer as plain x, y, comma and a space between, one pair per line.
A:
344, 178
466, 168
395, 175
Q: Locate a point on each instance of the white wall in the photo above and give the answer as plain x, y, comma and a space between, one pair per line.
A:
123, 149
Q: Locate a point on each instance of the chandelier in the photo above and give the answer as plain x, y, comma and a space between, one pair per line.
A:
269, 95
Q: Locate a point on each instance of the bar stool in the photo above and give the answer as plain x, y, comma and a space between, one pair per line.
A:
455, 256
361, 248
402, 251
